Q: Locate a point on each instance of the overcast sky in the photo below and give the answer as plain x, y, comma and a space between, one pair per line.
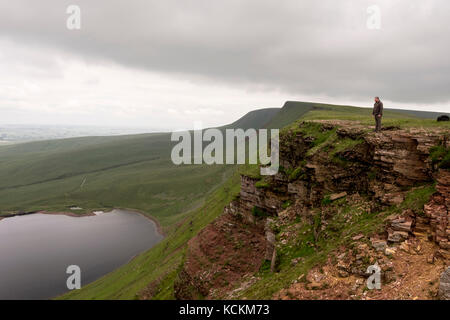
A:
166, 63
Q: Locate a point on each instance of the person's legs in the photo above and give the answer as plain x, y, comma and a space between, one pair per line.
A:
377, 123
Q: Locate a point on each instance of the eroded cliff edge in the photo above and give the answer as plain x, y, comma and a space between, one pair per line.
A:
344, 198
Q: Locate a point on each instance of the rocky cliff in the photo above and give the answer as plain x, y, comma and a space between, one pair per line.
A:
347, 195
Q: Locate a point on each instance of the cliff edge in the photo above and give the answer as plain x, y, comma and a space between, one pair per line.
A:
345, 198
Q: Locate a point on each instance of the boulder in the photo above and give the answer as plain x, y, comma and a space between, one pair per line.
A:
336, 196
390, 251
397, 236
379, 245
402, 224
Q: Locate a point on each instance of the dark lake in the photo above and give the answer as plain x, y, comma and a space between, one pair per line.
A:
36, 249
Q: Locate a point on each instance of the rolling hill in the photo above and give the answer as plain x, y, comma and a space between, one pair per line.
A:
100, 173
256, 119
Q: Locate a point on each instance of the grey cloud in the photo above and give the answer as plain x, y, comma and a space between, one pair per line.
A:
300, 47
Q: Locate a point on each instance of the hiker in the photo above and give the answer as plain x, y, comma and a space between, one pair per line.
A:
378, 113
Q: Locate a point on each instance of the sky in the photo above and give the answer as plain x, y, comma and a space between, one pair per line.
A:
166, 64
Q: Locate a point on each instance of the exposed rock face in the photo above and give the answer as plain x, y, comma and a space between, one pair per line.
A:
400, 160
219, 256
400, 227
438, 210
381, 166
265, 200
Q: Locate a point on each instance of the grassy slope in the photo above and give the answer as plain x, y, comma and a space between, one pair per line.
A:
162, 261
132, 171
129, 171
254, 119
291, 110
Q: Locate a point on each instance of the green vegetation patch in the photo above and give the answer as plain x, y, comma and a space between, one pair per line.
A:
286, 204
440, 156
317, 132
326, 200
327, 141
297, 172
345, 144
262, 184
259, 213
416, 198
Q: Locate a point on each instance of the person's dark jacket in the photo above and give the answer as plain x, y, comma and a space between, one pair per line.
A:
378, 108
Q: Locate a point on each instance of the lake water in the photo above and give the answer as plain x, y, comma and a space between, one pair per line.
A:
35, 250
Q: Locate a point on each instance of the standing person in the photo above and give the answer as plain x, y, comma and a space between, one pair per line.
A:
377, 113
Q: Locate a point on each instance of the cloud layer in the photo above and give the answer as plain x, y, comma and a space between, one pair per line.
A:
300, 48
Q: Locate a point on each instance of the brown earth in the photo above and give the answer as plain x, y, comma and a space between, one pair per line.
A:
219, 256
405, 275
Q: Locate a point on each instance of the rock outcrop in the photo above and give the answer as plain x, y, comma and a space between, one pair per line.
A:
219, 256
382, 166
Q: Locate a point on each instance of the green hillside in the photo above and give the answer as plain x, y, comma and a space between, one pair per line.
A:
290, 111
135, 172
100, 173
256, 119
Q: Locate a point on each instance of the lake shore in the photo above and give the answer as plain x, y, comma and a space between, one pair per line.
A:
88, 214
158, 225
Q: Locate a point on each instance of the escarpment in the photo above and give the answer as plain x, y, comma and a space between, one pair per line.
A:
334, 176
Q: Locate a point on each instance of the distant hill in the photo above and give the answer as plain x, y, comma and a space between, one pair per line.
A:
290, 111
256, 119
